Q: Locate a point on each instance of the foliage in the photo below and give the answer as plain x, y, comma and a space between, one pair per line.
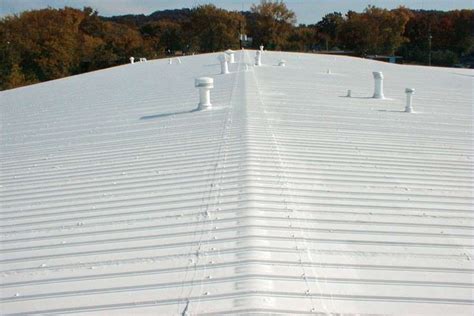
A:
213, 29
48, 49
47, 44
302, 39
375, 31
328, 28
164, 36
450, 31
444, 58
271, 23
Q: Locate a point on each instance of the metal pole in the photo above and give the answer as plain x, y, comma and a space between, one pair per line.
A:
429, 44
240, 34
429, 47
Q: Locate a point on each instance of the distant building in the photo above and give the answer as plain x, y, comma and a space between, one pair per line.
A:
390, 59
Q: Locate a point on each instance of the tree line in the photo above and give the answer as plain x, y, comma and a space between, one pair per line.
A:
47, 44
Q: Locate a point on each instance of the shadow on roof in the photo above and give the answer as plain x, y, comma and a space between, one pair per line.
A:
397, 111
455, 73
345, 96
150, 117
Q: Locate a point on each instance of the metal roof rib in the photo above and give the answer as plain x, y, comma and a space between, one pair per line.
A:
282, 195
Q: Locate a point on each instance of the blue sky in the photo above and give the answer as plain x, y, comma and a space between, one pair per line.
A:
307, 11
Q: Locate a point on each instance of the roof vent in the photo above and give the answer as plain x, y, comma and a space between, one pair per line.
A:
409, 107
328, 71
170, 61
261, 48
179, 60
230, 53
132, 60
224, 66
143, 60
282, 63
378, 92
258, 58
204, 84
349, 94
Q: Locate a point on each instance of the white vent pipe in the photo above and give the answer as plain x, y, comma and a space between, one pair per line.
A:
170, 61
204, 84
261, 48
230, 53
378, 92
409, 107
224, 65
132, 60
282, 63
258, 58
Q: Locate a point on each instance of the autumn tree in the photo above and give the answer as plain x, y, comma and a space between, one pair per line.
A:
50, 43
451, 36
302, 38
375, 31
107, 43
8, 56
212, 29
163, 36
45, 42
271, 23
53, 43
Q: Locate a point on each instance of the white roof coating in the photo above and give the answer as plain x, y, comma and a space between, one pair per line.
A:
118, 197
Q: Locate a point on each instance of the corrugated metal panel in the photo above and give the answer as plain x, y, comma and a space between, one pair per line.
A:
286, 197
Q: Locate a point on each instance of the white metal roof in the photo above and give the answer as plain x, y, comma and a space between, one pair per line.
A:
287, 197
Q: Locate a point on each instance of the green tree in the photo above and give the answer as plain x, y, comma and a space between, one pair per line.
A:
463, 31
302, 38
213, 29
271, 24
163, 36
328, 29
